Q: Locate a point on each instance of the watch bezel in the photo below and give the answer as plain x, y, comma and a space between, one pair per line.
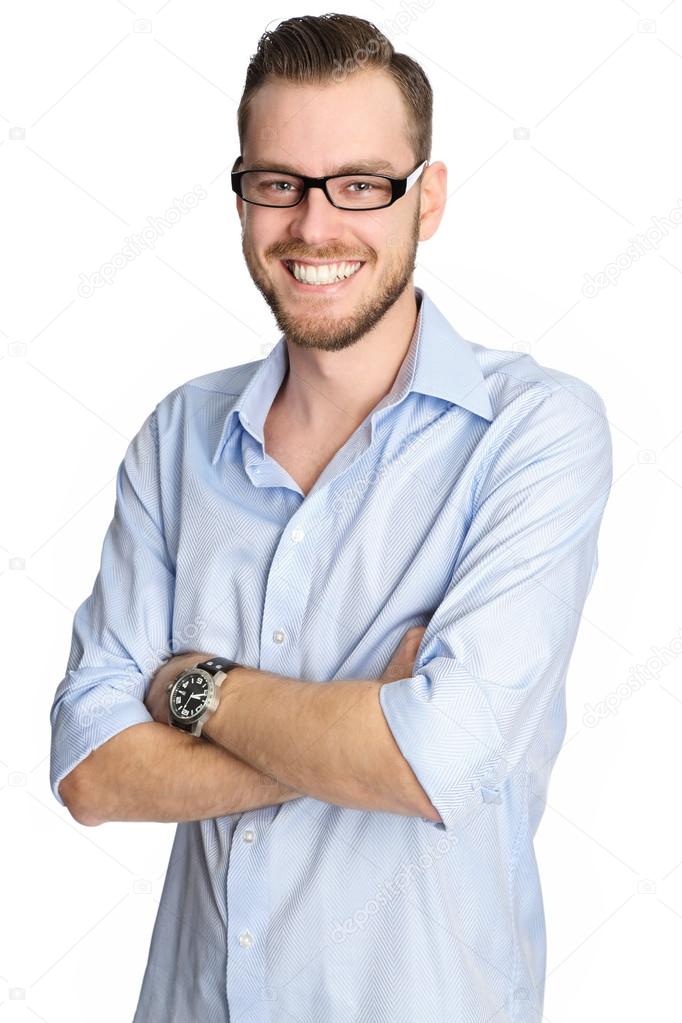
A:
193, 718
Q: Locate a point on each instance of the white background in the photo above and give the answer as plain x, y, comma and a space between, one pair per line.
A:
559, 123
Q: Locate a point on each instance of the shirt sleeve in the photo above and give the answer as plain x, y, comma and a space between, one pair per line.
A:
121, 632
495, 653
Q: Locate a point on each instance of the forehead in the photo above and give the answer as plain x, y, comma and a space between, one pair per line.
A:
357, 123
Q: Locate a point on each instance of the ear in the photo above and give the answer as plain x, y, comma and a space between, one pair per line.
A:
434, 193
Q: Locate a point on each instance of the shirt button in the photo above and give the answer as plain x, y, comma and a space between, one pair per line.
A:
297, 534
248, 836
279, 636
246, 940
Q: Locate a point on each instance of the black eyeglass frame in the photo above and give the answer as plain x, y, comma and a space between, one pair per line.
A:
399, 186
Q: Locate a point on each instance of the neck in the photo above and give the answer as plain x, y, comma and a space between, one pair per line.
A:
335, 391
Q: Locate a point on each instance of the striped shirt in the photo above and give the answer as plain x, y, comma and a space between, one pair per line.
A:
468, 501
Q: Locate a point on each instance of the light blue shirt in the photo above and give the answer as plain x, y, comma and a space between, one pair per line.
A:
468, 501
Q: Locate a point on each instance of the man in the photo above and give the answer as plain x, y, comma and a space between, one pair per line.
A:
355, 827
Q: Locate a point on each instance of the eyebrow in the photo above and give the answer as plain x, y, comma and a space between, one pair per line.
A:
356, 167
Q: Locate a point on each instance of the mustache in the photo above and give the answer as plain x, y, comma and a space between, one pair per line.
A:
327, 257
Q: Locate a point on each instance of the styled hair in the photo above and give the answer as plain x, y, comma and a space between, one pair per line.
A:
327, 48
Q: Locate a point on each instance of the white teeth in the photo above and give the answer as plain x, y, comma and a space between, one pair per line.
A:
327, 274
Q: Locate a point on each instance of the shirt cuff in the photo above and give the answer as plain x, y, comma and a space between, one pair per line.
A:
455, 780
83, 721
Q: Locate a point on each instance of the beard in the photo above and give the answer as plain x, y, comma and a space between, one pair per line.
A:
312, 327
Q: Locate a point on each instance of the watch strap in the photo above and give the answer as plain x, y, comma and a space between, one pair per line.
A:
217, 664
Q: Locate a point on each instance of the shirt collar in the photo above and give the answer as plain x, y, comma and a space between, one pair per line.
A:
439, 362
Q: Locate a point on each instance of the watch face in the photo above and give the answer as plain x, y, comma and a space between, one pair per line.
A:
190, 695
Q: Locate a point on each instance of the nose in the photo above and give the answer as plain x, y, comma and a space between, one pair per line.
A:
315, 219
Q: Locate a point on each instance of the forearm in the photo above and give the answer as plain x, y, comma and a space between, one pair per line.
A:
152, 772
330, 740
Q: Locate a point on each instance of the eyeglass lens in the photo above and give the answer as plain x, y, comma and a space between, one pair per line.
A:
357, 191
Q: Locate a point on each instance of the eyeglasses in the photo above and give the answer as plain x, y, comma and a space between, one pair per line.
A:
345, 191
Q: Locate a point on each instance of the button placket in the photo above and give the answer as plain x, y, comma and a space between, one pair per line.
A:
249, 914
286, 599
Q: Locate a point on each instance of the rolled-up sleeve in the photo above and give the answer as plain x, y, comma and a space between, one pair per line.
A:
495, 653
121, 632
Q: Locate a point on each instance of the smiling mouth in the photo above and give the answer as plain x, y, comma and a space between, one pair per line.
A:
322, 274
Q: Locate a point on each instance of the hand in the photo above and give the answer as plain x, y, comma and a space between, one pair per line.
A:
402, 663
156, 700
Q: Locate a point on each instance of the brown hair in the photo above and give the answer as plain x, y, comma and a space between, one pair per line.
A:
318, 50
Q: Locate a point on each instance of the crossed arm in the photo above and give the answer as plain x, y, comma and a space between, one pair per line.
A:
328, 741
501, 641
271, 739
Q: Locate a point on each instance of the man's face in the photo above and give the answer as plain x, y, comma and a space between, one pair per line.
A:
314, 130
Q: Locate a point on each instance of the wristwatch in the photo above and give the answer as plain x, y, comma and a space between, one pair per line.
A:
193, 696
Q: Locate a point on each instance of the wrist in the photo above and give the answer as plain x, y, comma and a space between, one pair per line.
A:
195, 692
